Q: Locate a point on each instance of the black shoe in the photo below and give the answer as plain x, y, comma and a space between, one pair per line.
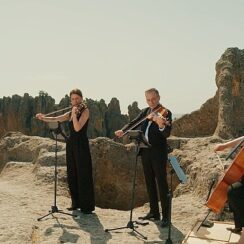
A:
164, 223
150, 216
235, 230
72, 208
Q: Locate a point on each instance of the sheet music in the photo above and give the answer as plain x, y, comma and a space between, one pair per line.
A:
178, 170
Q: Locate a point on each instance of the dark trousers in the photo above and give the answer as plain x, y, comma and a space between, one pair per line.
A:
154, 163
236, 202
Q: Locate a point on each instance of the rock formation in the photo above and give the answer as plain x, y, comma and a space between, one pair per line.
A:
222, 115
230, 82
114, 120
113, 166
199, 123
17, 114
133, 110
97, 114
29, 188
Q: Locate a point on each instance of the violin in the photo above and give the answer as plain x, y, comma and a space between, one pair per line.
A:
160, 110
80, 108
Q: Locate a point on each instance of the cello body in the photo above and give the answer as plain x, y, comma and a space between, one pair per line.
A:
233, 174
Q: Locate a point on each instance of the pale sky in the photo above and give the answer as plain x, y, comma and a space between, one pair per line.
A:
117, 48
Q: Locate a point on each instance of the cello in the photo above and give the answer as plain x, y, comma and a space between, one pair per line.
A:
233, 174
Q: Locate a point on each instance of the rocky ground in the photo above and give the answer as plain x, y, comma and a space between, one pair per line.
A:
24, 200
26, 195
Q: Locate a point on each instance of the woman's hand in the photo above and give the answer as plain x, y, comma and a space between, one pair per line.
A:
40, 116
219, 147
119, 133
74, 111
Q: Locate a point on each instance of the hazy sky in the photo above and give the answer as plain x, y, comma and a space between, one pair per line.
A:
117, 48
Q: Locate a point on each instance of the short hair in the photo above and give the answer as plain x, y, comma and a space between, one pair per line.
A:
76, 91
152, 90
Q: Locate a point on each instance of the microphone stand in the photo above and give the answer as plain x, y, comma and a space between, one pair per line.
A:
175, 168
54, 208
138, 138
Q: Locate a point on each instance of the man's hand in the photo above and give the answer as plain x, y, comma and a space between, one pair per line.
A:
161, 121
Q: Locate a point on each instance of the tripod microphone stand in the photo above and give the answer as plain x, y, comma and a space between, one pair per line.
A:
56, 130
138, 137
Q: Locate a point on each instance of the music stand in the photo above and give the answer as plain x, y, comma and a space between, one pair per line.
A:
176, 168
56, 131
58, 134
141, 142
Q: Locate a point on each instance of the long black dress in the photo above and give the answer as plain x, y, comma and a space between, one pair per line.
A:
79, 169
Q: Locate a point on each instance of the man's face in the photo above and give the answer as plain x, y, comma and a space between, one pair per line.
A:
75, 99
152, 99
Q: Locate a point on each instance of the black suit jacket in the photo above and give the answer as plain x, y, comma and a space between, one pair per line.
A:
156, 137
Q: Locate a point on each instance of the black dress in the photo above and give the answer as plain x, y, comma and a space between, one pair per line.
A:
79, 169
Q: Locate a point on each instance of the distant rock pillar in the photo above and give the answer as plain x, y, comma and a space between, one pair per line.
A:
229, 79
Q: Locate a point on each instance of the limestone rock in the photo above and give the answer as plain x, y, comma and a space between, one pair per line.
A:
113, 166
230, 82
222, 115
199, 123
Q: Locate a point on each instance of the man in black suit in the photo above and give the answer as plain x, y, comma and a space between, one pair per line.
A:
156, 129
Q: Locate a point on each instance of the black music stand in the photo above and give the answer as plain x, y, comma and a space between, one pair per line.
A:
140, 142
58, 134
176, 168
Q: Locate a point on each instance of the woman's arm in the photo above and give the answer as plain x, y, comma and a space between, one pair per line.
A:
59, 118
229, 144
78, 124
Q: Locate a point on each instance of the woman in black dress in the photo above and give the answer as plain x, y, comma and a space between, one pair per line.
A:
78, 157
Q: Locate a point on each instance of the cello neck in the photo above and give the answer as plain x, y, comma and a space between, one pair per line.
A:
236, 149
